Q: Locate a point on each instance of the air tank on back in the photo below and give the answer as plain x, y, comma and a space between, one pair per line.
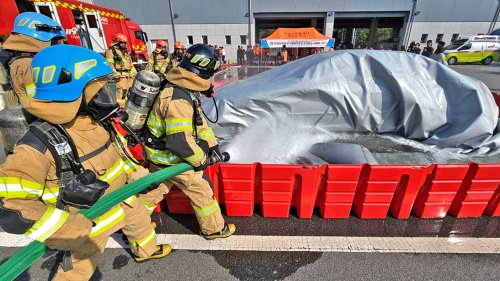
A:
13, 125
12, 122
142, 95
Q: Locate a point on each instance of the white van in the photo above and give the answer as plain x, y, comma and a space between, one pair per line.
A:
482, 48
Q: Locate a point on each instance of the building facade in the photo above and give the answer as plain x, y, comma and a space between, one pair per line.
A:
358, 23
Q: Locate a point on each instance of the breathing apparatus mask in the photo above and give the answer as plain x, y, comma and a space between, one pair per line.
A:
178, 54
103, 105
122, 46
164, 52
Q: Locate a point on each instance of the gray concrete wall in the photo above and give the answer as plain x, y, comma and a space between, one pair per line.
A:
456, 10
233, 11
218, 18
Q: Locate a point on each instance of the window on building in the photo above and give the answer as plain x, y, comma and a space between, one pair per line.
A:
190, 39
204, 38
454, 37
228, 39
423, 39
243, 39
439, 37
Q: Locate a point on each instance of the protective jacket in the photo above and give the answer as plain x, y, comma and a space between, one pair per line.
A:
121, 62
29, 193
178, 130
124, 72
175, 59
159, 63
24, 49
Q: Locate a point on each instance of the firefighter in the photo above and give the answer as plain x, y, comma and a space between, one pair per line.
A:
122, 63
178, 132
66, 161
176, 56
159, 61
32, 32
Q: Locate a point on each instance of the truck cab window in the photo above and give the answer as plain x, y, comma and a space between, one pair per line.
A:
92, 21
45, 10
138, 35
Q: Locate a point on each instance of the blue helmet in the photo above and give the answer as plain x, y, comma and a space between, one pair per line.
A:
37, 26
61, 72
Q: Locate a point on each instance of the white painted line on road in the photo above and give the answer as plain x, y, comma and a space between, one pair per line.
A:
307, 243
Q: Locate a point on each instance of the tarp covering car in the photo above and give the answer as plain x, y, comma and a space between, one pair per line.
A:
386, 93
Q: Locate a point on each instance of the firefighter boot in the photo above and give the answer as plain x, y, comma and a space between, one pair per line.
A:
227, 231
161, 251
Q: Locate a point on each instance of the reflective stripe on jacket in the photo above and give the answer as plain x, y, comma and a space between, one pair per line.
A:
172, 117
29, 186
158, 63
123, 67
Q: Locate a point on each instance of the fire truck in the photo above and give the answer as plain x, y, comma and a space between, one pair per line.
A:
86, 25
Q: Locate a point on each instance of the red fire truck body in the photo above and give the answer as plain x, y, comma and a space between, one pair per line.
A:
85, 24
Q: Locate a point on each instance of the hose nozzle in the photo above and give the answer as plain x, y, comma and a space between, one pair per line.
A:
215, 158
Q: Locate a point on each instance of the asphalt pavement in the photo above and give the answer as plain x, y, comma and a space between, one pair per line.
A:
351, 264
489, 74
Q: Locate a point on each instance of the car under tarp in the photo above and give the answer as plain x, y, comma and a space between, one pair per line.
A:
381, 99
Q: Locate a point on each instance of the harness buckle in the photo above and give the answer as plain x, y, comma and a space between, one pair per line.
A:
62, 148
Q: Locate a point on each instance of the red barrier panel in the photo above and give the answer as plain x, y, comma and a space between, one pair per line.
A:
439, 190
477, 189
336, 189
409, 184
493, 208
178, 202
236, 185
497, 101
376, 189
277, 185
305, 193
372, 190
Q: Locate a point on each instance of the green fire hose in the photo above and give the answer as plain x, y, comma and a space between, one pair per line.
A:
14, 266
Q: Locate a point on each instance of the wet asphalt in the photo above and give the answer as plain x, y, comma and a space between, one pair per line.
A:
487, 73
485, 226
117, 264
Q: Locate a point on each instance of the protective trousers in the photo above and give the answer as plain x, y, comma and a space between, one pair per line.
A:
123, 84
141, 235
198, 187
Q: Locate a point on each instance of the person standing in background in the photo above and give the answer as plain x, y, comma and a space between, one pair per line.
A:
284, 54
417, 49
121, 62
438, 55
223, 54
428, 50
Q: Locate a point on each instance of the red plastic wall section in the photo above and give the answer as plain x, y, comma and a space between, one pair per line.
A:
337, 191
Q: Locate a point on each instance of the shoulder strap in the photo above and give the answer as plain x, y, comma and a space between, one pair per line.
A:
95, 152
56, 143
182, 93
179, 93
154, 60
20, 55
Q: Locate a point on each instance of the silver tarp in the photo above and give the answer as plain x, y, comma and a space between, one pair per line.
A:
364, 92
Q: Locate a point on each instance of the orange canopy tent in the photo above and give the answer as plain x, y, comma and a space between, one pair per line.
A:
307, 37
